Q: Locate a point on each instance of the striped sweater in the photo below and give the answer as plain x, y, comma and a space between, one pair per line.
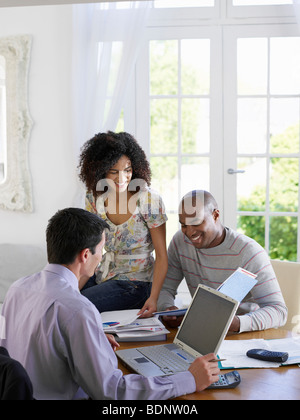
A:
262, 308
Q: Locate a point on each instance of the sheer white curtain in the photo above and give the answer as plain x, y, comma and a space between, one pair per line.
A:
297, 11
106, 41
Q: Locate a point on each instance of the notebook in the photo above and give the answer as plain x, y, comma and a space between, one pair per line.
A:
202, 331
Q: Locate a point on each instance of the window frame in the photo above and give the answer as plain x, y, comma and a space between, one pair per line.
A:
231, 155
162, 22
143, 82
284, 10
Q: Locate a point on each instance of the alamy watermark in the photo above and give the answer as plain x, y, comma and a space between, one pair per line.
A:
120, 203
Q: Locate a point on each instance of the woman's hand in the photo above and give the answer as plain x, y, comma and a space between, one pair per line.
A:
149, 307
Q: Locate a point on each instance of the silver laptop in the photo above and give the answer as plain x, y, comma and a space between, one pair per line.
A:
202, 331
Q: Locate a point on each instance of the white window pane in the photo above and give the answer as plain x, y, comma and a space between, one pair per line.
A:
284, 176
164, 67
195, 66
284, 125
252, 66
251, 185
252, 125
195, 125
285, 66
194, 174
165, 180
163, 4
260, 2
164, 126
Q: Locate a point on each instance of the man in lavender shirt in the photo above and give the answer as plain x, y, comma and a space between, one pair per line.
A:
57, 335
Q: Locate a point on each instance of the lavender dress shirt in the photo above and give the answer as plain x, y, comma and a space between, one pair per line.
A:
57, 335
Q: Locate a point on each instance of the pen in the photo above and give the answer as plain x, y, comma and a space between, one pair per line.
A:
217, 360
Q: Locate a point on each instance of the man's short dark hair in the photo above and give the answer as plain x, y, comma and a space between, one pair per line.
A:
70, 231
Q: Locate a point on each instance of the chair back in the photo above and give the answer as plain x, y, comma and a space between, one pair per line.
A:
288, 276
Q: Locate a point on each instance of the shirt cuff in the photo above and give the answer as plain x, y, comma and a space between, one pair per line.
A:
184, 383
245, 323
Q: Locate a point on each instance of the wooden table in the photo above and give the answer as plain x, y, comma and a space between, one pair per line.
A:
257, 384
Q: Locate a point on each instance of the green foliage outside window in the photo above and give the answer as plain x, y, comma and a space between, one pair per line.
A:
284, 171
284, 177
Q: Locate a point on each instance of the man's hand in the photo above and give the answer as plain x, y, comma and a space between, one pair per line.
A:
204, 371
235, 325
114, 344
172, 321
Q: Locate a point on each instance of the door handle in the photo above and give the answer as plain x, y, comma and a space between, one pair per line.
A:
235, 171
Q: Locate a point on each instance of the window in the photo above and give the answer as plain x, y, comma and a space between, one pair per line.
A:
177, 110
183, 3
261, 2
224, 94
268, 110
180, 116
260, 8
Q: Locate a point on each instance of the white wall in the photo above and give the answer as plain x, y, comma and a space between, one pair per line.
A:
51, 156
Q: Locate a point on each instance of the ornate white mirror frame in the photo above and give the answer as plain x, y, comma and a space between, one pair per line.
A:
15, 189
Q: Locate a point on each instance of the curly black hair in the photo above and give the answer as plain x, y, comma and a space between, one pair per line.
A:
102, 152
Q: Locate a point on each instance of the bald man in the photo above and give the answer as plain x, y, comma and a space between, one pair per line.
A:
206, 252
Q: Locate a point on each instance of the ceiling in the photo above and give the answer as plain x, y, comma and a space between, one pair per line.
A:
16, 3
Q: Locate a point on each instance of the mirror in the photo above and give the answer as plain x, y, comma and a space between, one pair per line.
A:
2, 119
15, 124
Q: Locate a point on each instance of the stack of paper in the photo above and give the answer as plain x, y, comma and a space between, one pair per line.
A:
234, 351
113, 319
127, 327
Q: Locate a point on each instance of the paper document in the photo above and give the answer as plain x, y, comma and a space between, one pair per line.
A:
113, 319
239, 284
127, 326
234, 351
289, 345
142, 324
145, 327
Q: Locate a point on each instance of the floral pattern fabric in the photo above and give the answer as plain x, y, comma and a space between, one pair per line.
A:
129, 246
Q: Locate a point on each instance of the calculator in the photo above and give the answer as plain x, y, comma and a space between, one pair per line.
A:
227, 381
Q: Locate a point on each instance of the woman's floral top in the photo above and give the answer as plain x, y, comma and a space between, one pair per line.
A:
129, 246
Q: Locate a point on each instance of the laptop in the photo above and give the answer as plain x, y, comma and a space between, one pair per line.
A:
202, 331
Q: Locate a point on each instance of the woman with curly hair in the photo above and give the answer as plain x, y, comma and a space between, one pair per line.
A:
116, 173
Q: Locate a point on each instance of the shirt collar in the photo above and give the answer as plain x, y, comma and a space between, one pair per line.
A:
64, 273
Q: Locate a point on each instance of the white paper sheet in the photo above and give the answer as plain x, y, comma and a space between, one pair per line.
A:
234, 351
290, 345
239, 284
119, 318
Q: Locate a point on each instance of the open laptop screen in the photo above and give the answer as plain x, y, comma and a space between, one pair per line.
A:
206, 320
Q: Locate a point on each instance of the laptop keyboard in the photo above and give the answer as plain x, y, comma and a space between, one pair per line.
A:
168, 362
